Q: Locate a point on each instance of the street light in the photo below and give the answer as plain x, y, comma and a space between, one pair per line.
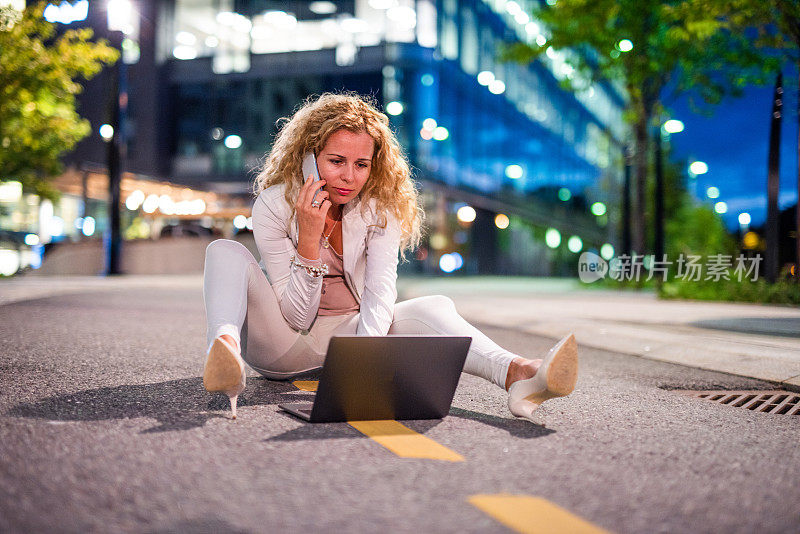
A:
698, 167
673, 126
744, 220
120, 14
744, 226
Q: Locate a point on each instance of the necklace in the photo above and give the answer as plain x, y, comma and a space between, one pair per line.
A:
325, 242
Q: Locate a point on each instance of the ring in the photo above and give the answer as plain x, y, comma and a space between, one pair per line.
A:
315, 204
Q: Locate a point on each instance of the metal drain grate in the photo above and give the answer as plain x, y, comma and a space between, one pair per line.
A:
774, 402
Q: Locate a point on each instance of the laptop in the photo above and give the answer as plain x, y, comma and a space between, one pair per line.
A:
386, 377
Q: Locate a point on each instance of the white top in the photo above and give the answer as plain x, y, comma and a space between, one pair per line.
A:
371, 245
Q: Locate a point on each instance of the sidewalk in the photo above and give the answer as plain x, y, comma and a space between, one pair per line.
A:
748, 340
751, 340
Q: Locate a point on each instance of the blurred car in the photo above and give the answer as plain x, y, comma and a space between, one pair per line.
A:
185, 230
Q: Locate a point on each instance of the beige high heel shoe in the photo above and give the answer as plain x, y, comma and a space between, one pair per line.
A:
556, 377
224, 371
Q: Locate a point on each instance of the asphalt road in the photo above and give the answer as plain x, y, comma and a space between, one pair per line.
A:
105, 427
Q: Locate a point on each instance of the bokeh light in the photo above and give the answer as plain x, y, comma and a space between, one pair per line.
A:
134, 200
440, 133
673, 126
88, 227
497, 87
574, 244
486, 77
106, 132
429, 124
501, 221
751, 240
552, 237
451, 262
394, 108
466, 214
514, 171
698, 167
438, 241
233, 141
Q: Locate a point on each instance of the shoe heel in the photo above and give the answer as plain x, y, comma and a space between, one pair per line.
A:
539, 398
563, 370
556, 378
233, 406
224, 372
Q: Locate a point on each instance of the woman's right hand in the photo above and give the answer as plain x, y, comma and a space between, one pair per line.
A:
311, 219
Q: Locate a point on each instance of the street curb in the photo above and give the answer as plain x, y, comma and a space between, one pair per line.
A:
791, 384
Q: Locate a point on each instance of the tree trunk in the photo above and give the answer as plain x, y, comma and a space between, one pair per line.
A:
626, 204
658, 218
116, 159
773, 181
640, 179
797, 206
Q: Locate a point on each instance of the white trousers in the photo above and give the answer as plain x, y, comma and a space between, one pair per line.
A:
240, 302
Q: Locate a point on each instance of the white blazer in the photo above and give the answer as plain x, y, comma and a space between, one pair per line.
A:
370, 262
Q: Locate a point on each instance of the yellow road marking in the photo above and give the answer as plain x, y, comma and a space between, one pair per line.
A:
395, 436
532, 515
404, 442
306, 385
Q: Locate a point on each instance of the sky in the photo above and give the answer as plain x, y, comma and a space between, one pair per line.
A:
734, 142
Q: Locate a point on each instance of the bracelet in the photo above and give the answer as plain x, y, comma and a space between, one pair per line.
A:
310, 269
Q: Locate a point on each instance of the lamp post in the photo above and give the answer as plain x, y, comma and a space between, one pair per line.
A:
659, 200
744, 222
773, 182
697, 168
119, 18
626, 202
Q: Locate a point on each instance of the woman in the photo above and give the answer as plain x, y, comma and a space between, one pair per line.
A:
329, 250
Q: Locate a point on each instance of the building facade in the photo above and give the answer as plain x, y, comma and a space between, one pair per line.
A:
517, 174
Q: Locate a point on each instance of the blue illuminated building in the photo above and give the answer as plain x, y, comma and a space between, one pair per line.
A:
210, 78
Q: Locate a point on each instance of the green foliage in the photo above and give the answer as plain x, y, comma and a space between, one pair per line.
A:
679, 45
683, 44
39, 79
776, 23
784, 291
698, 230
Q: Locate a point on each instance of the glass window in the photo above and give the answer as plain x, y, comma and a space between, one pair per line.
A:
426, 24
229, 30
449, 41
469, 42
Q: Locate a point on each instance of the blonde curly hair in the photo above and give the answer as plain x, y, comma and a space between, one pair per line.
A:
390, 181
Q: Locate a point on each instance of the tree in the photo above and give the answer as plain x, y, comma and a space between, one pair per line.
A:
778, 25
651, 47
38, 82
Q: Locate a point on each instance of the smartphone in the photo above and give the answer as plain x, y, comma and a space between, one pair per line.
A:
310, 167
